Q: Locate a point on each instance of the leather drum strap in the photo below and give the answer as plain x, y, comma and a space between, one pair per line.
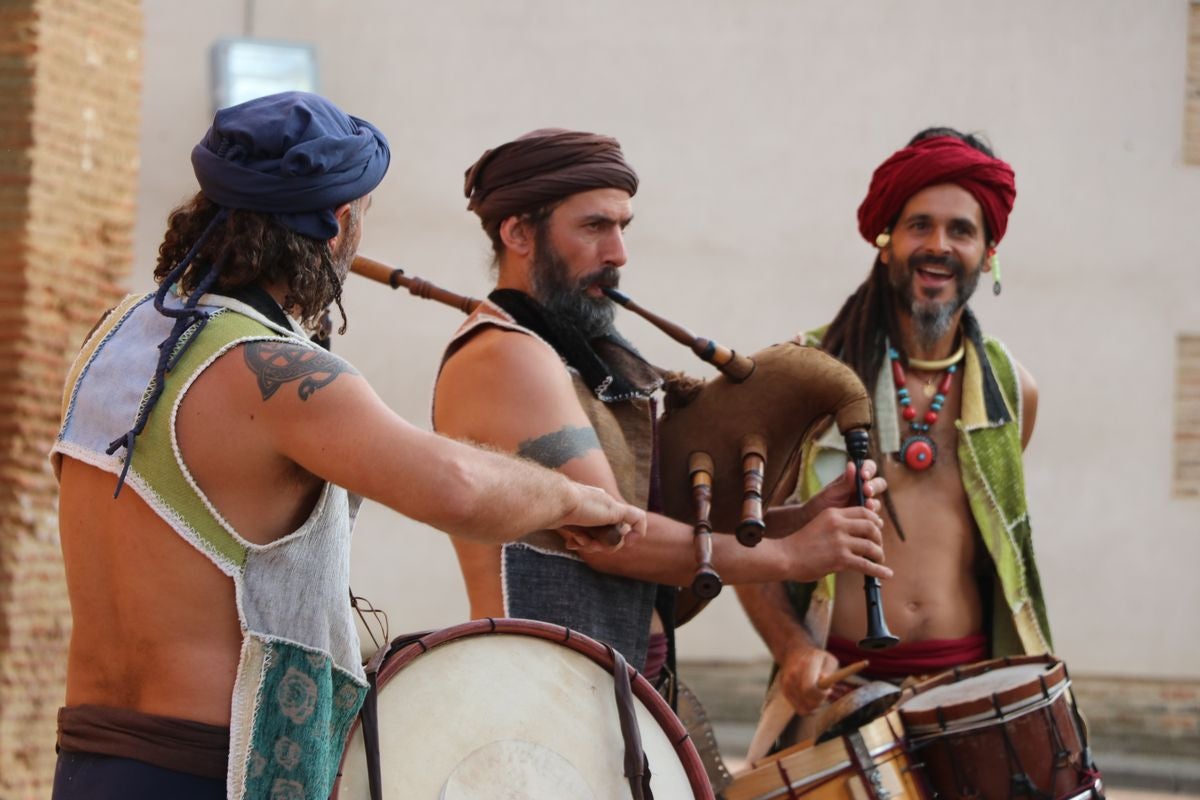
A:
368, 715
637, 766
369, 722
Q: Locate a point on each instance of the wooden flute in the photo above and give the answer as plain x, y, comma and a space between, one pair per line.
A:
419, 287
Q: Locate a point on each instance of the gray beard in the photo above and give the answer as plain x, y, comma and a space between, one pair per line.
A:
933, 320
568, 302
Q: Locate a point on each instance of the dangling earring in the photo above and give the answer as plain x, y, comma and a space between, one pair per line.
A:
994, 262
883, 239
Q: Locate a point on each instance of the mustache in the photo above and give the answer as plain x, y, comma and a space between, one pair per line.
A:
605, 277
947, 261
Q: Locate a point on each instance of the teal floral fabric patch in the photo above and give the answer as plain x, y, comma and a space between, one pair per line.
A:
305, 710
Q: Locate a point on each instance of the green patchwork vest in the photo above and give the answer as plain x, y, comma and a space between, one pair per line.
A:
300, 680
989, 455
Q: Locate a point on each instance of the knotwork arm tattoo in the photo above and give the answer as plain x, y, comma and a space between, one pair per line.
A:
277, 363
557, 448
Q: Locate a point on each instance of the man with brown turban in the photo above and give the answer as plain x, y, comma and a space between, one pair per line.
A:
539, 370
953, 414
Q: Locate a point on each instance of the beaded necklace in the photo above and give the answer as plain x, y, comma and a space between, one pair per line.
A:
918, 451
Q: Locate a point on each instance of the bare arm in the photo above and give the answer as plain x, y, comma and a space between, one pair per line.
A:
1029, 401
507, 390
801, 662
322, 415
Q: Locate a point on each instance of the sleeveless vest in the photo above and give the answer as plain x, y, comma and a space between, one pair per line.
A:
543, 580
300, 680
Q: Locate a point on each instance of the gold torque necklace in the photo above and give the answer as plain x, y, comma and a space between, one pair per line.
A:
940, 364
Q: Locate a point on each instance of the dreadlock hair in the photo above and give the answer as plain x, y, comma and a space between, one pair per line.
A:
857, 333
253, 248
868, 316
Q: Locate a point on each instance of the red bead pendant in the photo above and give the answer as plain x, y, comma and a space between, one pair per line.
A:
918, 453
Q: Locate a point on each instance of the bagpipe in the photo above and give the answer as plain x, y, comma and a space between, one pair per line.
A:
730, 447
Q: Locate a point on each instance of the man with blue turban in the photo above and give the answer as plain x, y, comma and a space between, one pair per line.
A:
213, 652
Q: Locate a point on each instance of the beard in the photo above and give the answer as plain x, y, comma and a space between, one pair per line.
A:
342, 254
566, 299
932, 320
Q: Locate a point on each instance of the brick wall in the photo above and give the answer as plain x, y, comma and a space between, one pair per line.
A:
1187, 416
1191, 114
70, 77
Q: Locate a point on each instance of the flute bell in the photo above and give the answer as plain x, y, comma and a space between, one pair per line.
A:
878, 636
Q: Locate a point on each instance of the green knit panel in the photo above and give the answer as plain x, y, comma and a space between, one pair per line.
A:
994, 477
154, 458
304, 712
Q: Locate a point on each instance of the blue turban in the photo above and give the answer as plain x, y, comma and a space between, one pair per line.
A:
295, 155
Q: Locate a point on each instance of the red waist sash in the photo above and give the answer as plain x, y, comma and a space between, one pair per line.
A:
911, 658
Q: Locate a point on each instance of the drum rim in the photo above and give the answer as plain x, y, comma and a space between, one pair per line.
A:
672, 727
1054, 679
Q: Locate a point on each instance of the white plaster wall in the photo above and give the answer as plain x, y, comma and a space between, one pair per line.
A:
755, 127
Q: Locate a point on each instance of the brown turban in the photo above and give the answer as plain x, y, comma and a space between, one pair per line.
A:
929, 162
543, 166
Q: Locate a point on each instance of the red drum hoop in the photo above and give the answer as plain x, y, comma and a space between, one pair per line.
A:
512, 649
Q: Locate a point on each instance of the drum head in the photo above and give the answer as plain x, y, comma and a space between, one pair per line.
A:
530, 772
985, 685
508, 715
982, 693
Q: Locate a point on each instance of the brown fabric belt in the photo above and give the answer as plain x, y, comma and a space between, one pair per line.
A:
195, 748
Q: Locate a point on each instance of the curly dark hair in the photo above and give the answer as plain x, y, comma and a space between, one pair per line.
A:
254, 248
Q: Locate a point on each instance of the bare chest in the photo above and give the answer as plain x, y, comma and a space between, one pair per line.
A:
930, 537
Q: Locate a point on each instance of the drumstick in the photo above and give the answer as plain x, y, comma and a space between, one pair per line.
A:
779, 712
841, 675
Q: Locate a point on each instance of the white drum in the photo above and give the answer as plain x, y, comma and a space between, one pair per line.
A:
503, 709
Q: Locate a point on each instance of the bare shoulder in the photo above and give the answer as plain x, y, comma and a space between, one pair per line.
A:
503, 354
501, 387
1029, 402
281, 382
290, 366
509, 372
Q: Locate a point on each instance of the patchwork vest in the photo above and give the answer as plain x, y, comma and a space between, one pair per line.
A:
989, 455
300, 680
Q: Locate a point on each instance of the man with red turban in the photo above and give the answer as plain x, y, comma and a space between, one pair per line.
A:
953, 413
538, 369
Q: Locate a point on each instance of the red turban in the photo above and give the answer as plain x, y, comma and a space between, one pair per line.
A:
543, 166
932, 161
